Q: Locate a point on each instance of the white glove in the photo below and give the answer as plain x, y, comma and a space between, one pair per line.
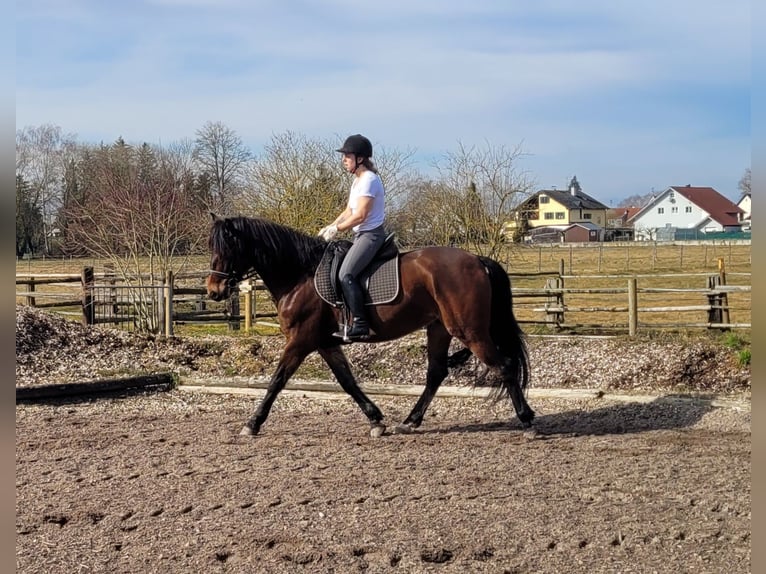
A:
327, 233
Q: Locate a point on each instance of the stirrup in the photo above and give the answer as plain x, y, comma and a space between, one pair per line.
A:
346, 333
341, 334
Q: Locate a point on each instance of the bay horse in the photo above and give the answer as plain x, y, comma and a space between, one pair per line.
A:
446, 290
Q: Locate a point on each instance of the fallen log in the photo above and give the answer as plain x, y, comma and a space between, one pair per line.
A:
160, 381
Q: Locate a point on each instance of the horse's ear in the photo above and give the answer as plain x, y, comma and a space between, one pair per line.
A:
214, 216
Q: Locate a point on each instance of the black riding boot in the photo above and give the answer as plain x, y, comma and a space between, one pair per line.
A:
354, 296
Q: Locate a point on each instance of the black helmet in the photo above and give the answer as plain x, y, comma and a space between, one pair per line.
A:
358, 145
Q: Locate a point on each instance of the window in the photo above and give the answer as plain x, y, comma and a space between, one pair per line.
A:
660, 210
674, 209
549, 215
688, 209
545, 199
560, 215
587, 216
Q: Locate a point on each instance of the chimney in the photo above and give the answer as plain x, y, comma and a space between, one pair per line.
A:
573, 190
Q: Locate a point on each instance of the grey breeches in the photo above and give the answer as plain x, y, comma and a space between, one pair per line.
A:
363, 249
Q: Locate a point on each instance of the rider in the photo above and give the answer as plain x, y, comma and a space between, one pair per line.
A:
364, 215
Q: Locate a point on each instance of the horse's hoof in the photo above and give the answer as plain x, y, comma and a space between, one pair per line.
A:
246, 431
529, 433
403, 428
377, 430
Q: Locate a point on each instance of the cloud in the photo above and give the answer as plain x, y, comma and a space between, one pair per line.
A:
578, 83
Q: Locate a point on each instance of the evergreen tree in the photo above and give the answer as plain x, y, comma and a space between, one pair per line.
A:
29, 220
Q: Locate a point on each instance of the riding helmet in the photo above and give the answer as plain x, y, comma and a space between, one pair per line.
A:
357, 144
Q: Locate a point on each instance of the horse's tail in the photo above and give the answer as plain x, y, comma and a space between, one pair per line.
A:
505, 330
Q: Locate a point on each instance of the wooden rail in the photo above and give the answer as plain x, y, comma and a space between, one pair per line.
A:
101, 298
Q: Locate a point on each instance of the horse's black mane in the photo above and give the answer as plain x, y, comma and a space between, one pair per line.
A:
259, 244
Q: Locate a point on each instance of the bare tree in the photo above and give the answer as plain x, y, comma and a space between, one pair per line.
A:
397, 173
479, 189
41, 155
744, 183
29, 226
421, 219
636, 200
179, 156
222, 155
297, 182
134, 210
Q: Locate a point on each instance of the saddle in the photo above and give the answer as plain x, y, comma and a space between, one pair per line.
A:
380, 280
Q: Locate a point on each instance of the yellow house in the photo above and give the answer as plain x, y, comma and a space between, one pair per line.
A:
553, 207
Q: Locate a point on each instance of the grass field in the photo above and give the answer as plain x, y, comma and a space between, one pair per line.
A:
592, 267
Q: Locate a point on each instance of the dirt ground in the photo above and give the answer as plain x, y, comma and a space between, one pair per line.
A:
161, 482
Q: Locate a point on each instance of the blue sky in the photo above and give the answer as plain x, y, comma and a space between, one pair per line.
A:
628, 96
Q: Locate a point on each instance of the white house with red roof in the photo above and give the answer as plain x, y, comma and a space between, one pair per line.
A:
693, 209
745, 204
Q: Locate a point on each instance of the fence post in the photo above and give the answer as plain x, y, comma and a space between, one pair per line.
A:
539, 259
718, 301
233, 305
247, 290
714, 312
723, 297
600, 255
168, 318
560, 316
248, 311
30, 298
110, 279
632, 307
88, 309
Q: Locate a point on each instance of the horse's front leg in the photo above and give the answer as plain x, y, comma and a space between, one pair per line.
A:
437, 349
289, 362
338, 363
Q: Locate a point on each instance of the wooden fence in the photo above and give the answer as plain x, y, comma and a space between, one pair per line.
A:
142, 304
558, 304
566, 298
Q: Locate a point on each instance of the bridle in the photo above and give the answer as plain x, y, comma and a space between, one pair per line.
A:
232, 279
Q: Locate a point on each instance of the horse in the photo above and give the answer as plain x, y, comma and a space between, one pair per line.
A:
446, 290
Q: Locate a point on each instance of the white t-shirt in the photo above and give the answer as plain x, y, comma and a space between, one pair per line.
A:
368, 185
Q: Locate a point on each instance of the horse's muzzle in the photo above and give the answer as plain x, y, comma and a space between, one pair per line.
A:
217, 290
215, 295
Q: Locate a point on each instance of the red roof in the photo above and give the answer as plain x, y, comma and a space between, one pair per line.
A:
626, 212
721, 209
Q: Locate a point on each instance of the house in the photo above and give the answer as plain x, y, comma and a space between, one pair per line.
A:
618, 217
618, 223
680, 211
573, 233
561, 209
745, 205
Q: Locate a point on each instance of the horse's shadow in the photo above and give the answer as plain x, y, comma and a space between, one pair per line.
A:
664, 413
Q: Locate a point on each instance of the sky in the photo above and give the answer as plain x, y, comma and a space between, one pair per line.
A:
627, 96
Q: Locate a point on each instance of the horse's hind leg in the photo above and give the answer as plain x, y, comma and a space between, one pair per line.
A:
437, 350
520, 405
338, 363
494, 359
